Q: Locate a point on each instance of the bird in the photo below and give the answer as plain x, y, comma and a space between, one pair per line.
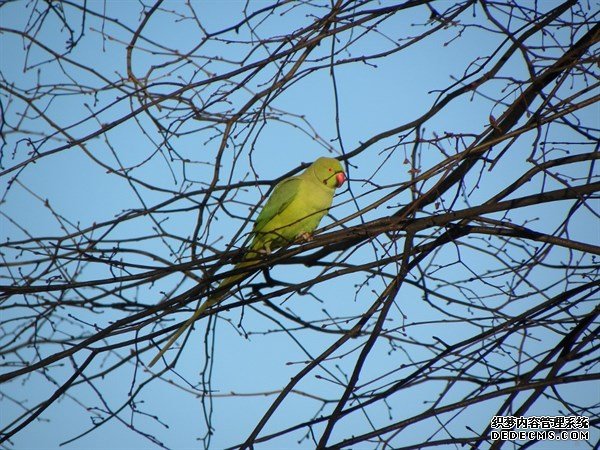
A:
292, 212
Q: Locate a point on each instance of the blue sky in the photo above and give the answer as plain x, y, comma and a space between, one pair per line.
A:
372, 99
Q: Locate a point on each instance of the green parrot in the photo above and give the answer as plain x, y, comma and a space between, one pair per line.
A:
293, 211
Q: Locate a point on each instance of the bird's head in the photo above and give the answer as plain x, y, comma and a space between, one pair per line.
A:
329, 171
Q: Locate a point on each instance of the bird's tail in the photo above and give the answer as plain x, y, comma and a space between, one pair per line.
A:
212, 300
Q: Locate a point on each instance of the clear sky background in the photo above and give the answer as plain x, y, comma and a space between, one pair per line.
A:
372, 99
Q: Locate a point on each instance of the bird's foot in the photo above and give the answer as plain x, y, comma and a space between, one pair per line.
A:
266, 251
304, 237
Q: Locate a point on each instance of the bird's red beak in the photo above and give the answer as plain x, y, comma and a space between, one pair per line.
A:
340, 177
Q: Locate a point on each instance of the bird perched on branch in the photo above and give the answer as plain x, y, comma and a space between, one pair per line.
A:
294, 210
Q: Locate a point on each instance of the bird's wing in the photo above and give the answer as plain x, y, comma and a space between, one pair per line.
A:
283, 194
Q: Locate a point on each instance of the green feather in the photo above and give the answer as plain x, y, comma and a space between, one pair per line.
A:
295, 208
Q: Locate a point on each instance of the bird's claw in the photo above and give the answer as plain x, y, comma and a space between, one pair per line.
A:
265, 251
305, 237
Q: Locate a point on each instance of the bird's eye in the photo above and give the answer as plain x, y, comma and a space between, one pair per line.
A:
330, 169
